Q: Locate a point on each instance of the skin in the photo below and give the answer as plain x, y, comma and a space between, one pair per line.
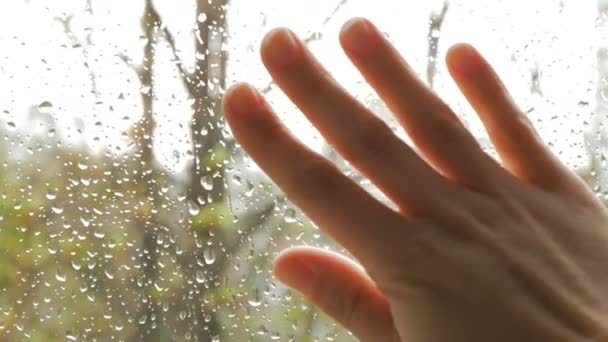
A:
476, 250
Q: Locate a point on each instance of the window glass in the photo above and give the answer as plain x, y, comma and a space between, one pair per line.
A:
129, 213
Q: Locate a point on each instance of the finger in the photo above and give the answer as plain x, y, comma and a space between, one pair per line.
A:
332, 200
431, 124
361, 137
340, 288
516, 141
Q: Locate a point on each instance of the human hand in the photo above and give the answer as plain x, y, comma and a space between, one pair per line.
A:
475, 251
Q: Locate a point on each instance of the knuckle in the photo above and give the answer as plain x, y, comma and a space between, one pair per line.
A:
445, 133
523, 131
369, 141
352, 307
315, 174
343, 304
321, 294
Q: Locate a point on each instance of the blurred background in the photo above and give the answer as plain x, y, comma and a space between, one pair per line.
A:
129, 213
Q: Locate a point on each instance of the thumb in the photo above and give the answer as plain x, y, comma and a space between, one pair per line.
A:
340, 288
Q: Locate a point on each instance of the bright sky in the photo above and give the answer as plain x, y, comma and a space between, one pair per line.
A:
39, 63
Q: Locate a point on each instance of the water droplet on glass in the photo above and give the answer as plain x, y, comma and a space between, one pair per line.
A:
145, 90
45, 107
200, 277
209, 255
193, 208
70, 336
85, 222
290, 215
51, 195
60, 277
250, 189
158, 287
207, 182
256, 301
75, 265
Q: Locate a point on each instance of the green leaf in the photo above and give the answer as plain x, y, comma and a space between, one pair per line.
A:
217, 157
213, 215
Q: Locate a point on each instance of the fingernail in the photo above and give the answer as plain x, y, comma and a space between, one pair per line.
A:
467, 59
359, 35
243, 99
296, 274
281, 47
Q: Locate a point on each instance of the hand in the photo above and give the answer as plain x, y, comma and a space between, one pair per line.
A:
476, 251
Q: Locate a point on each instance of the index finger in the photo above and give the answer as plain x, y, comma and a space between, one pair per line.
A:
333, 201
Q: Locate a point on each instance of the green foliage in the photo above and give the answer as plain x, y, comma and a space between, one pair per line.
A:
212, 216
217, 158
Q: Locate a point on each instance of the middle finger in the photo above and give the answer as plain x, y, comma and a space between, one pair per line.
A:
360, 136
431, 124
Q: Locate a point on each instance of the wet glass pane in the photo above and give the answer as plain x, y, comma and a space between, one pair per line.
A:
129, 213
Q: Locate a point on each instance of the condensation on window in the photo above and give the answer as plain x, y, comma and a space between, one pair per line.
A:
128, 212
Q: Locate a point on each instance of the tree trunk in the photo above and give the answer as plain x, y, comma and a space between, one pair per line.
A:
207, 183
143, 133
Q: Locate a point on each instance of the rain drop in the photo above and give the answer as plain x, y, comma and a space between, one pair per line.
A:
207, 182
60, 277
70, 336
290, 215
51, 195
200, 277
193, 208
45, 107
256, 301
209, 255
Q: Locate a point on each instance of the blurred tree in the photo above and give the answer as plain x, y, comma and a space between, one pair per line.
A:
111, 246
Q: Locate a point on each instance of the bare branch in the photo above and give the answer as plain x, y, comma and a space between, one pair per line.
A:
602, 7
184, 74
66, 22
128, 62
252, 221
267, 88
338, 7
317, 35
435, 22
535, 76
89, 6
